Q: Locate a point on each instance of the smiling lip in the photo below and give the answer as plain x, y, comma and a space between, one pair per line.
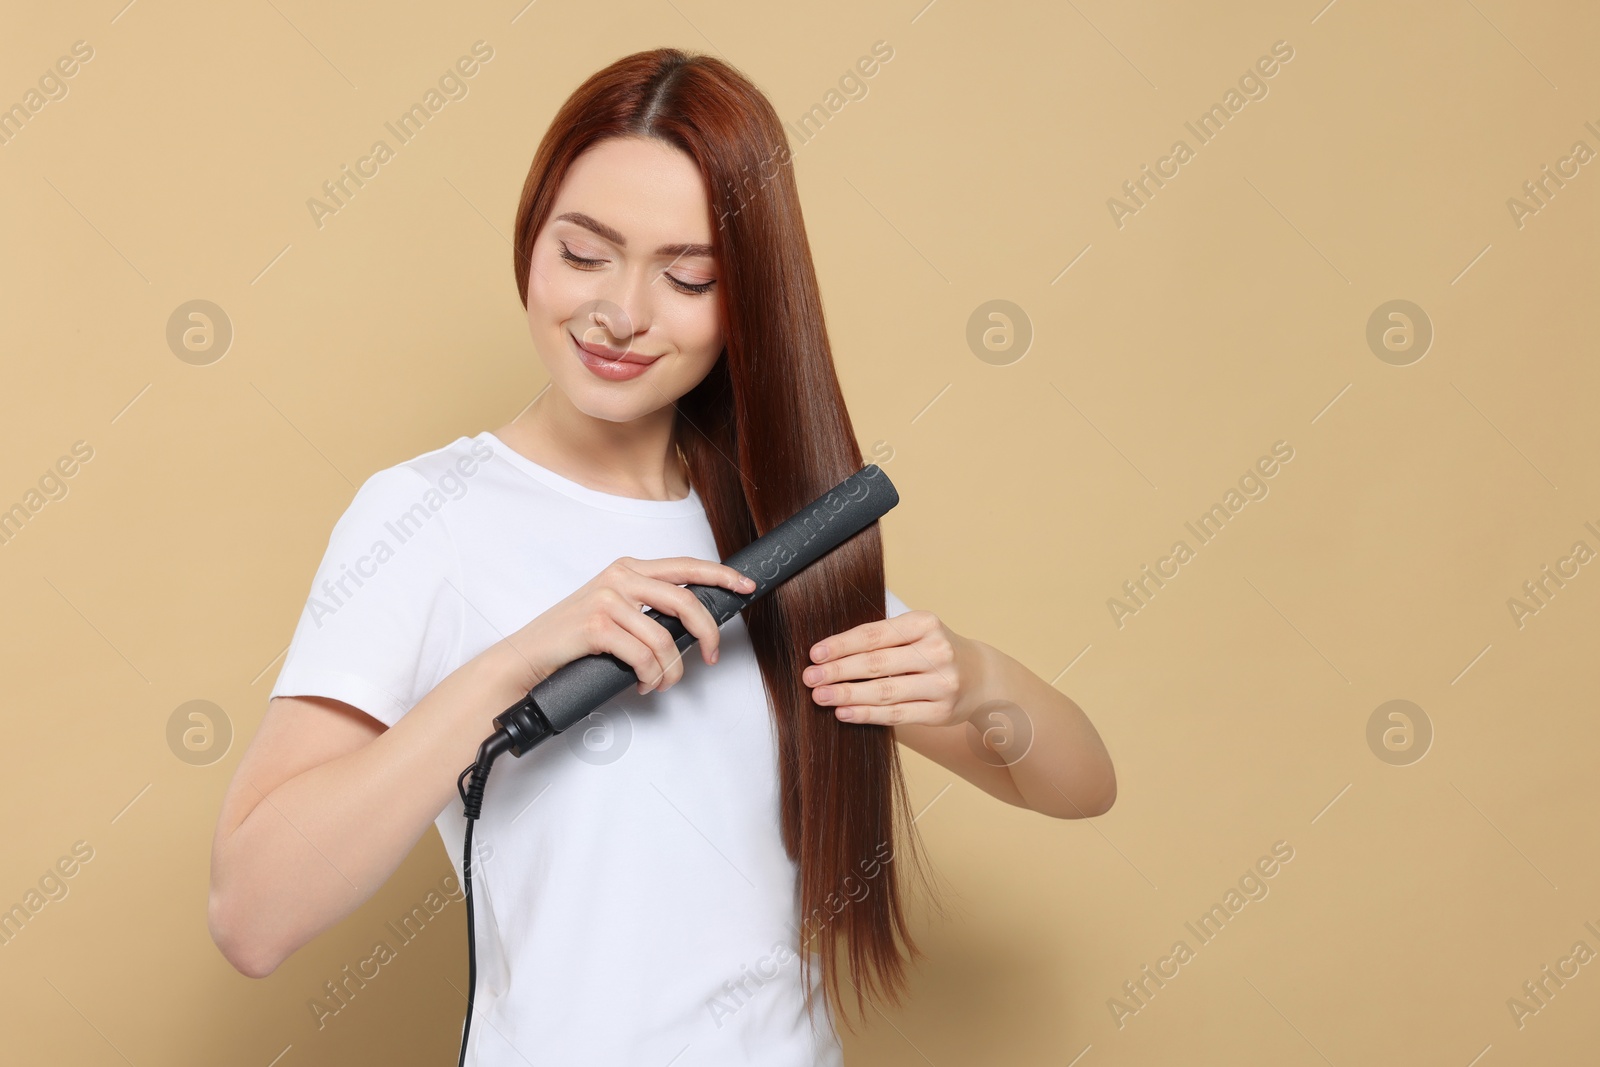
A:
603, 363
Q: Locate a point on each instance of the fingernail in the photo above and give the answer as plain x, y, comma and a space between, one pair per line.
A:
715, 652
820, 652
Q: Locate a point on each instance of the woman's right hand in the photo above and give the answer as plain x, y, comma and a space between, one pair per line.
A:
606, 615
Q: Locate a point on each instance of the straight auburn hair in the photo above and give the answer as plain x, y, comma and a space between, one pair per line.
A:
764, 434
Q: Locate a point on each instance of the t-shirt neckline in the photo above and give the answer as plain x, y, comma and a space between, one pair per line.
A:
630, 505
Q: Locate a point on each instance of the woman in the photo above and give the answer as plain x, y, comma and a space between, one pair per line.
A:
656, 884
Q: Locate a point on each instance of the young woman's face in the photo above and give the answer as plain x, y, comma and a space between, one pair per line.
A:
623, 267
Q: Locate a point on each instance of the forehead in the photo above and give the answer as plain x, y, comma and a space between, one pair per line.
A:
649, 190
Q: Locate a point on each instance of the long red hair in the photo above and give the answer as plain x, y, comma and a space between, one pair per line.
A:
765, 433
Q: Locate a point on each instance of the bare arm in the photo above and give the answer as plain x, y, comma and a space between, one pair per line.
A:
327, 802
949, 697
1065, 771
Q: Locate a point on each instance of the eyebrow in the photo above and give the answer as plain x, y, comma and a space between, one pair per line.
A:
677, 251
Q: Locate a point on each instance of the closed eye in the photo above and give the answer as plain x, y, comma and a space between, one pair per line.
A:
580, 263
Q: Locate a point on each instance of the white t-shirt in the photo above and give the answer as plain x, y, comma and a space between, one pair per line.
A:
633, 900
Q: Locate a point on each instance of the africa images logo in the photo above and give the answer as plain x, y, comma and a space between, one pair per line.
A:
403, 527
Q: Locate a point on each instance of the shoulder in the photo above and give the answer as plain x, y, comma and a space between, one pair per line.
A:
441, 471
444, 466
401, 500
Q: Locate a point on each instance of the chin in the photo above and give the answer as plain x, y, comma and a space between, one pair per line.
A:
604, 400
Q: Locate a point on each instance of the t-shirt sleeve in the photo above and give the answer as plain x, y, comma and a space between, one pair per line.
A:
383, 619
893, 605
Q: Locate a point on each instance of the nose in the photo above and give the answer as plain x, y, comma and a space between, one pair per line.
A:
605, 324
624, 309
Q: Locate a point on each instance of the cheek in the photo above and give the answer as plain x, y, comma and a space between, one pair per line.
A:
695, 327
552, 287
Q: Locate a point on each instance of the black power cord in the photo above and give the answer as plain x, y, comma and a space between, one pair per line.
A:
521, 726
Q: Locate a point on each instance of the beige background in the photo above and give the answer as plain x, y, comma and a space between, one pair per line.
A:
1227, 314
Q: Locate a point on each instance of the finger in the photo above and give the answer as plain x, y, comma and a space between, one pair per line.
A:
881, 691
684, 606
664, 653
910, 711
874, 663
882, 633
687, 570
622, 643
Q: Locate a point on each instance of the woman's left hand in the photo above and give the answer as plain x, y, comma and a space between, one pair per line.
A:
908, 669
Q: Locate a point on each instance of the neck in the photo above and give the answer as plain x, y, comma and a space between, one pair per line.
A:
635, 459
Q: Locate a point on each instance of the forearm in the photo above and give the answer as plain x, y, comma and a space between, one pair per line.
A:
314, 848
1065, 771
